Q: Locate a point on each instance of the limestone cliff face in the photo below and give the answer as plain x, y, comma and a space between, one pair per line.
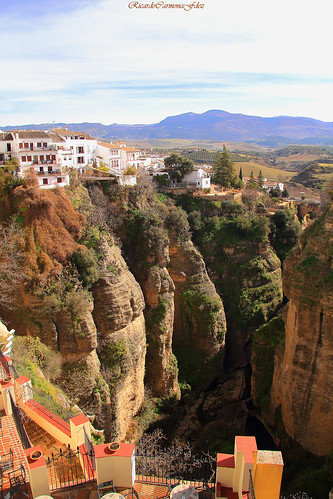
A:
150, 268
118, 315
248, 277
99, 331
303, 376
200, 325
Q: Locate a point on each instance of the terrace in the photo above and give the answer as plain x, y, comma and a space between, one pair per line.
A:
43, 455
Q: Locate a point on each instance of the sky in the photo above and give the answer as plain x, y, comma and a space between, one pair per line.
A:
112, 61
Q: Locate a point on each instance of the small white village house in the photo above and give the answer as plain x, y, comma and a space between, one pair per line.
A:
199, 177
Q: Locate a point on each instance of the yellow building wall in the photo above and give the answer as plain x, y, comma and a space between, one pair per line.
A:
116, 468
47, 426
267, 481
239, 471
225, 476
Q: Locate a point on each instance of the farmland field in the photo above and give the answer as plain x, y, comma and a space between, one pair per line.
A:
269, 173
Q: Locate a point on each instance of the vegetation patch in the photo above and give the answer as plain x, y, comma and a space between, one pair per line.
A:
265, 341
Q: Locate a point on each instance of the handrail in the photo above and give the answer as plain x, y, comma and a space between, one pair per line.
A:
251, 493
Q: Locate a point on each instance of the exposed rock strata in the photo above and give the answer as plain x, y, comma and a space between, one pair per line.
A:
118, 315
303, 377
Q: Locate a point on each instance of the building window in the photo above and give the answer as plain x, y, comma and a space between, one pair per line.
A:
49, 168
45, 145
48, 158
26, 145
80, 159
29, 158
9, 147
20, 145
39, 144
24, 159
59, 180
80, 150
53, 157
45, 181
41, 159
41, 169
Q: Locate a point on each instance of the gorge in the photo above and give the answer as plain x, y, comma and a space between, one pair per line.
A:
147, 297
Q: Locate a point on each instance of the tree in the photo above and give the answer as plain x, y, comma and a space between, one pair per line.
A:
260, 181
177, 166
285, 232
241, 173
224, 172
275, 192
252, 182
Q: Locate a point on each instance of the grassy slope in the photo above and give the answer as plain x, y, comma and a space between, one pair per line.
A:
269, 173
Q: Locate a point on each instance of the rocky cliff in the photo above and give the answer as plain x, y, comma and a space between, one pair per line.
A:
118, 315
80, 298
200, 324
303, 378
113, 327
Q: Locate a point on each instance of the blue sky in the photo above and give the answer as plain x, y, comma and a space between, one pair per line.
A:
100, 61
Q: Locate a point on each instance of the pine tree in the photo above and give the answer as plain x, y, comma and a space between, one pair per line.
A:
260, 180
252, 182
224, 172
241, 173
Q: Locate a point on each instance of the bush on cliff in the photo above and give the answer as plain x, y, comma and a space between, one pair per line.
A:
265, 341
86, 262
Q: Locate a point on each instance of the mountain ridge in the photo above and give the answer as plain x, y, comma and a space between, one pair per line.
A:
210, 125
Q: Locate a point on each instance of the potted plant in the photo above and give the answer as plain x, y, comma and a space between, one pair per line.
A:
35, 455
114, 446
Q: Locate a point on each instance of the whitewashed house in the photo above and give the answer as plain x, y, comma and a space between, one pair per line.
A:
34, 149
133, 156
82, 146
112, 155
198, 177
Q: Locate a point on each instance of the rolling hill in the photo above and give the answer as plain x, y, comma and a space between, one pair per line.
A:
211, 125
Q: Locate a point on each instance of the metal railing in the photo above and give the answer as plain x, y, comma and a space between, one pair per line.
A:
251, 494
19, 424
4, 364
69, 468
165, 467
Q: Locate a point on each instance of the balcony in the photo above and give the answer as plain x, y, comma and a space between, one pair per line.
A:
41, 148
53, 172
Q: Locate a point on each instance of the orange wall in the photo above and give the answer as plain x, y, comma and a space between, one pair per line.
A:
267, 480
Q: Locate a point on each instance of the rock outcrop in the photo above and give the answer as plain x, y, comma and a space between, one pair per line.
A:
200, 324
303, 377
118, 315
250, 283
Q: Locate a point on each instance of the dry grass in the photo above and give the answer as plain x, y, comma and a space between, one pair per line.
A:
53, 228
273, 174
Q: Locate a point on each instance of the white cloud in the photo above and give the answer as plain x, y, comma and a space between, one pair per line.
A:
80, 59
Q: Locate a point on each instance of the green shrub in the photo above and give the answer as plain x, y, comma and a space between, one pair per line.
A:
32, 349
86, 263
265, 341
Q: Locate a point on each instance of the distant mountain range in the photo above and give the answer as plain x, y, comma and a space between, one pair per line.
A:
212, 125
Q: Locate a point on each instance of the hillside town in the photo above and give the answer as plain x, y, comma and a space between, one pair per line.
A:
51, 155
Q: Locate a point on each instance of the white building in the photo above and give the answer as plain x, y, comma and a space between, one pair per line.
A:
34, 149
199, 178
82, 146
112, 154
